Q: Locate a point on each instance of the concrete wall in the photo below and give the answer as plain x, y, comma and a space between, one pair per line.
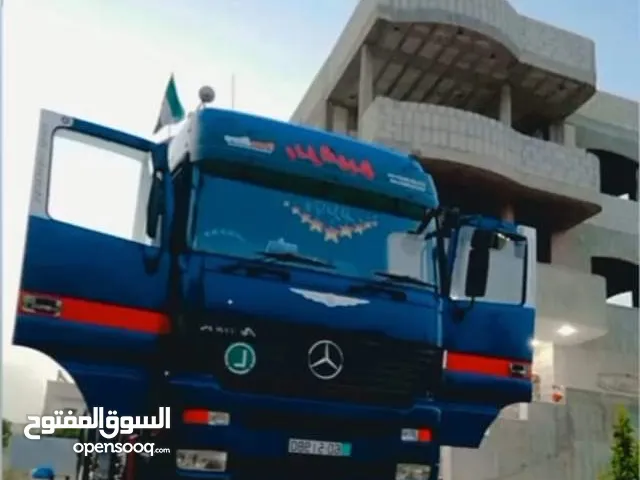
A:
612, 360
62, 396
566, 295
557, 442
25, 454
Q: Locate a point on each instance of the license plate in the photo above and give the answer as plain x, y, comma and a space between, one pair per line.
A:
314, 447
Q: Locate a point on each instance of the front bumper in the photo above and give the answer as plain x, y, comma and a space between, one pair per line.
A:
257, 437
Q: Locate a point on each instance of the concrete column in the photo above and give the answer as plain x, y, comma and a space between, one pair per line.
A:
569, 134
446, 461
352, 121
556, 133
562, 134
328, 116
365, 84
340, 119
505, 104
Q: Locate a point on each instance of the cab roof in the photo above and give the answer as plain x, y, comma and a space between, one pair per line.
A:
223, 134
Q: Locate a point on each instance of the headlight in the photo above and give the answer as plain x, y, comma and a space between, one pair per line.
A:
420, 435
201, 460
219, 418
411, 471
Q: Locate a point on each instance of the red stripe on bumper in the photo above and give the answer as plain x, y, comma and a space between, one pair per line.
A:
101, 314
471, 363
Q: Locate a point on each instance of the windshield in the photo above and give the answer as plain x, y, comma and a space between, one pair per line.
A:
250, 220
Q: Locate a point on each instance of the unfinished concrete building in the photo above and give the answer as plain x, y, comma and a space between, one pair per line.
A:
503, 111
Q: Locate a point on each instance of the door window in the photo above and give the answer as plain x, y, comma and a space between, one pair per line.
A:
506, 272
98, 185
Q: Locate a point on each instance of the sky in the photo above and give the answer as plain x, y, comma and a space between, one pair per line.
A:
108, 61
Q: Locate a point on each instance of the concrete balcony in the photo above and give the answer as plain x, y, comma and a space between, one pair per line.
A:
570, 297
560, 179
608, 122
425, 50
534, 43
613, 233
618, 215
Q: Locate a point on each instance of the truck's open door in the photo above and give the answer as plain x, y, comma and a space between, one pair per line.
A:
489, 318
93, 287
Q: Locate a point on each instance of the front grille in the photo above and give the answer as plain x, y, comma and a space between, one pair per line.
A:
308, 468
377, 369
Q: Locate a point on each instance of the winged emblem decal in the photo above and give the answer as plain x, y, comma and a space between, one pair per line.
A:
331, 300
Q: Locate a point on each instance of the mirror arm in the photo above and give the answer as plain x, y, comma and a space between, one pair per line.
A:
155, 204
425, 223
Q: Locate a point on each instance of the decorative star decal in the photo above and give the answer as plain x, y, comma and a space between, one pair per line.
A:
316, 226
330, 233
346, 231
306, 218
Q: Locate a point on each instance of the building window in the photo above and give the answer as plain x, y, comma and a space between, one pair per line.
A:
621, 279
618, 175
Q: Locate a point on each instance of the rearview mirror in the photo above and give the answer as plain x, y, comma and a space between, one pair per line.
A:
477, 272
155, 205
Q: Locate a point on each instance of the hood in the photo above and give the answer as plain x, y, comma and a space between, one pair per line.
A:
315, 298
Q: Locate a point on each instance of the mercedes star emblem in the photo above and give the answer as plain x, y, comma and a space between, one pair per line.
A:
325, 360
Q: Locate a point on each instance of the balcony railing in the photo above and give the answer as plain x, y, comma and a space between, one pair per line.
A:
468, 138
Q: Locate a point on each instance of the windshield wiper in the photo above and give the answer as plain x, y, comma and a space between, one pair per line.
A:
297, 258
409, 280
380, 288
256, 268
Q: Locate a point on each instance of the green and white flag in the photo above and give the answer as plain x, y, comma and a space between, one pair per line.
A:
171, 111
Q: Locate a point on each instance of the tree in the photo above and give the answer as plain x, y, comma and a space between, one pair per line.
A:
71, 433
6, 433
625, 451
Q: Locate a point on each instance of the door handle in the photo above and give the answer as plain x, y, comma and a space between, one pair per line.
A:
519, 370
41, 305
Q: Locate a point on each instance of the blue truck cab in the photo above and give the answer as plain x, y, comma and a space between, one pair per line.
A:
299, 299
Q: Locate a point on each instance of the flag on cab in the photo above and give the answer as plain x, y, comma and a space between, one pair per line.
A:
171, 111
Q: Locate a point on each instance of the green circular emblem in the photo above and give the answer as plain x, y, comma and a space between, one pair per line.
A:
240, 358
